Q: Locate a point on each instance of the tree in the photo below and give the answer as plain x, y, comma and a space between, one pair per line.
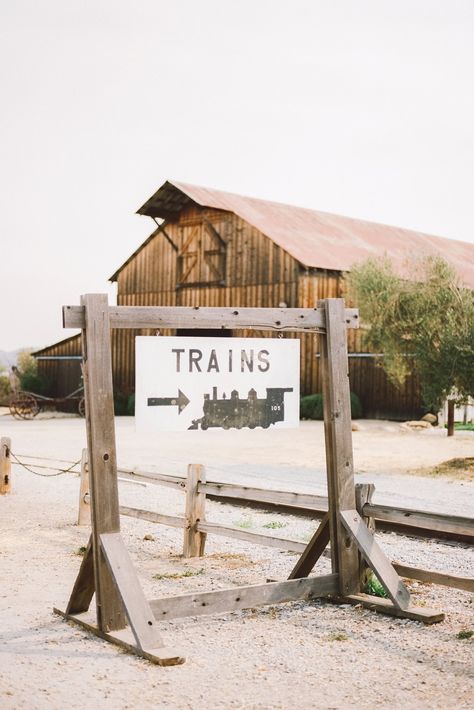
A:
423, 324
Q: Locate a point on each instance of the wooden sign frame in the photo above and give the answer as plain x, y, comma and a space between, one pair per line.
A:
123, 614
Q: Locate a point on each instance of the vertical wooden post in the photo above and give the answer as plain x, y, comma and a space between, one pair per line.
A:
194, 541
451, 417
338, 435
84, 516
102, 453
364, 493
5, 466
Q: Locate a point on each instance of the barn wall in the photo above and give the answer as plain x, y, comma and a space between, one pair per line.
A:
257, 273
64, 376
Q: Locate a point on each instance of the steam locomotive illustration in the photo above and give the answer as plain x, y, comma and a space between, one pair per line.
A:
236, 413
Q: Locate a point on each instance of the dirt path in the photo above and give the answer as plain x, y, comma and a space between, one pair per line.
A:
309, 655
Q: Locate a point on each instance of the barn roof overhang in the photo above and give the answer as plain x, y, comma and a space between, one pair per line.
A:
317, 240
48, 348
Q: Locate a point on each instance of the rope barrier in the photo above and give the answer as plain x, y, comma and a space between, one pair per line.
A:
59, 471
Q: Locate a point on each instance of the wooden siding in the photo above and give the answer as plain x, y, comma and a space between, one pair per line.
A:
63, 376
256, 272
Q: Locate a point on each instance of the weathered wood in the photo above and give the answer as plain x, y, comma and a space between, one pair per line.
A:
313, 551
84, 514
5, 466
124, 639
227, 600
252, 537
338, 436
97, 368
364, 493
437, 522
385, 606
375, 558
195, 512
84, 586
435, 577
424, 520
159, 479
139, 614
263, 495
287, 319
172, 521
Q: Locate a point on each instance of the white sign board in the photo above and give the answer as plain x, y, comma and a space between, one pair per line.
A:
216, 383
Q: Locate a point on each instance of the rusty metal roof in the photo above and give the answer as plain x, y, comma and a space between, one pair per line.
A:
316, 239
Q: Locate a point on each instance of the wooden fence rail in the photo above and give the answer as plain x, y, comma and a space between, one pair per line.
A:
417, 522
196, 527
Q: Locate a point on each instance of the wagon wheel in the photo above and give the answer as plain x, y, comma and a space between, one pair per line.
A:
24, 406
81, 407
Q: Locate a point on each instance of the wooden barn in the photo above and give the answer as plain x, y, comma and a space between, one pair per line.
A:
212, 248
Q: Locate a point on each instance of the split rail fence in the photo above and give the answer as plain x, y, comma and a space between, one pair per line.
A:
196, 528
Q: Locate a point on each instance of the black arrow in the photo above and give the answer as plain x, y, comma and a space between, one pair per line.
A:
181, 400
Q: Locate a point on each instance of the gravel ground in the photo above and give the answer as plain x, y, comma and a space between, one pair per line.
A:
311, 655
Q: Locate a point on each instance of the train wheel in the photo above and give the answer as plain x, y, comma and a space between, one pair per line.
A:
203, 426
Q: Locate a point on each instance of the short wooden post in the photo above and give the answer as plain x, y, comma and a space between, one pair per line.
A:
84, 516
364, 493
194, 541
5, 466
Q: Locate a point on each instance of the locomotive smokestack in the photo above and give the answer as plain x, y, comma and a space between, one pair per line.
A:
214, 393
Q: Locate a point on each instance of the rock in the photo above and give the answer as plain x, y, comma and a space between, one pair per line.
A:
355, 427
430, 418
149, 537
418, 424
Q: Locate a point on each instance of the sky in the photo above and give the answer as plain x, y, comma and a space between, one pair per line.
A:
358, 107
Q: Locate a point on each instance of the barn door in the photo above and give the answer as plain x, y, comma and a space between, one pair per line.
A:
201, 256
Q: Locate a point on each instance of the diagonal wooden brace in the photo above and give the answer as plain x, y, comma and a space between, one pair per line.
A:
313, 551
375, 558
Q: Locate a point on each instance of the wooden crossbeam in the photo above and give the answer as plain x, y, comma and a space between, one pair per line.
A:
287, 319
227, 600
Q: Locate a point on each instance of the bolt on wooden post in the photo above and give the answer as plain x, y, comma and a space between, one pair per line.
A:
5, 466
84, 516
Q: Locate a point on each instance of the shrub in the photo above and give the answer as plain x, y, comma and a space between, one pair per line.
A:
5, 390
131, 406
311, 406
120, 404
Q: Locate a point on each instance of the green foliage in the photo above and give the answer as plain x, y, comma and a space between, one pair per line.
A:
30, 379
465, 634
4, 390
124, 404
374, 587
120, 404
423, 324
275, 525
311, 406
244, 523
131, 406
